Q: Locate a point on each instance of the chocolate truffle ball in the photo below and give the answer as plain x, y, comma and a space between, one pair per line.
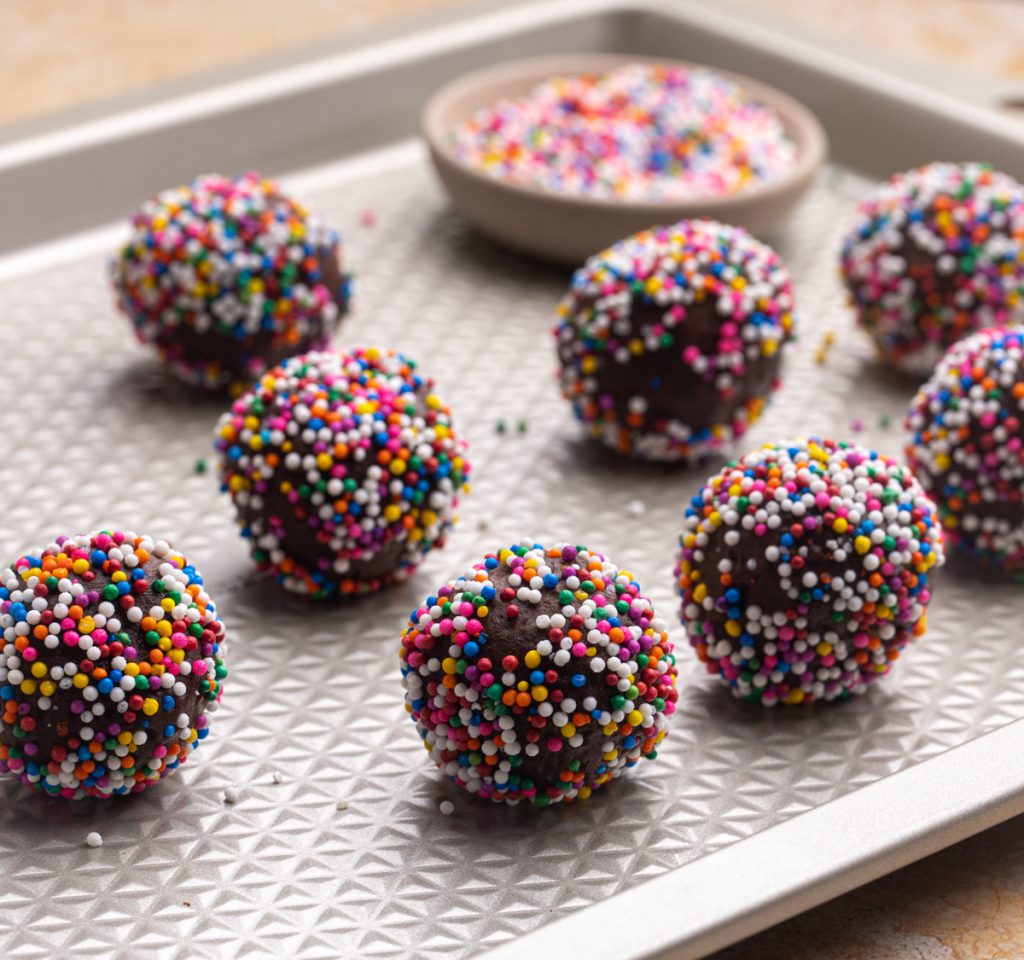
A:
804, 568
670, 340
967, 445
540, 674
228, 276
934, 255
344, 470
112, 664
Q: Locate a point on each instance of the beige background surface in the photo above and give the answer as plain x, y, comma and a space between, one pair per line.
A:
966, 903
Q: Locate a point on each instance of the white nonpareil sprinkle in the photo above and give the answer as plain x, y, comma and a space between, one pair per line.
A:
94, 839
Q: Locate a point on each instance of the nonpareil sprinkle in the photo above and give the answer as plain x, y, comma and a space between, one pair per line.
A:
640, 132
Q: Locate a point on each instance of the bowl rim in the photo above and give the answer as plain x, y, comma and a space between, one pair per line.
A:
800, 124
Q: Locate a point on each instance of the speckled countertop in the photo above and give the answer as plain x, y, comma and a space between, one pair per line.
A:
966, 903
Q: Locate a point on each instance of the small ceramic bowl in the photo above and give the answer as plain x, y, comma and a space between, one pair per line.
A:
569, 228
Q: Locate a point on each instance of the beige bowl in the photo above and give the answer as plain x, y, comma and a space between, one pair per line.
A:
568, 228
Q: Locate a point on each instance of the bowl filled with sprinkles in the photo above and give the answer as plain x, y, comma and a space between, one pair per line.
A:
560, 156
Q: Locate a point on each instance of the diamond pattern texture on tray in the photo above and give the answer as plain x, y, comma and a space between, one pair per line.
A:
93, 435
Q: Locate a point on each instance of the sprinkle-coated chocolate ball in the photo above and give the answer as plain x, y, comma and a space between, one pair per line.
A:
967, 445
803, 570
344, 470
540, 674
229, 276
935, 254
670, 340
112, 664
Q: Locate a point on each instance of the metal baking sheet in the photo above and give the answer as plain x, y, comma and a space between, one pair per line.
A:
746, 816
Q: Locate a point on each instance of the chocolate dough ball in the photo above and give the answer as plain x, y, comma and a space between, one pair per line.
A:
540, 674
935, 254
967, 446
229, 276
344, 470
803, 570
112, 664
670, 340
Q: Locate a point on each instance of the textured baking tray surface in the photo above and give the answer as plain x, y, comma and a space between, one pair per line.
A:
91, 434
